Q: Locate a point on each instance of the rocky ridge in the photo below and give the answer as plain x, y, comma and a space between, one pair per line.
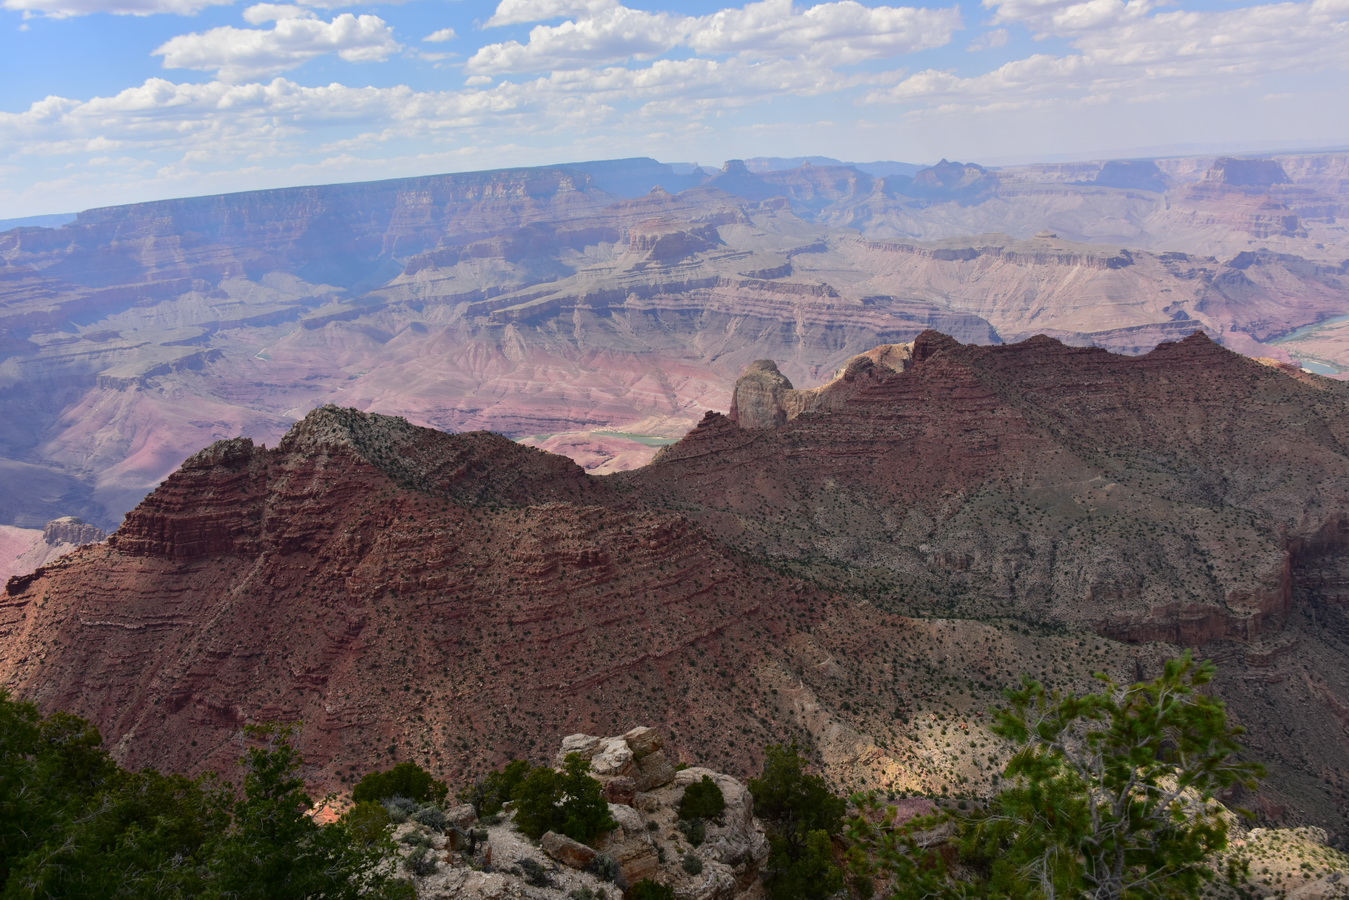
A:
864, 576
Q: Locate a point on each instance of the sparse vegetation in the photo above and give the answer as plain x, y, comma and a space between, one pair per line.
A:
492, 790
1109, 795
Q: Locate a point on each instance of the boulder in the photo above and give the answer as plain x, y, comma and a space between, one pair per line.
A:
612, 757
567, 851
583, 744
653, 766
463, 816
643, 741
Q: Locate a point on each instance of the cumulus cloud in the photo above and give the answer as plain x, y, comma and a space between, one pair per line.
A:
240, 54
515, 12
1068, 17
841, 32
61, 9
606, 32
613, 34
1166, 53
440, 36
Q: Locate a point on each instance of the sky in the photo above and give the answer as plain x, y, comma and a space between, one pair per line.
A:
121, 101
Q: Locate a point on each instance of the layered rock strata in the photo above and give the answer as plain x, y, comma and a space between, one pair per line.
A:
864, 575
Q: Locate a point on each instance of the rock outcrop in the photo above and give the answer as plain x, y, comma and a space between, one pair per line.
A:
764, 398
649, 842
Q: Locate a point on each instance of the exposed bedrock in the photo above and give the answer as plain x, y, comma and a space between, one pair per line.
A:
1058, 489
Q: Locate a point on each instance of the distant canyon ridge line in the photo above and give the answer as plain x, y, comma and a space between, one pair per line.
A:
574, 305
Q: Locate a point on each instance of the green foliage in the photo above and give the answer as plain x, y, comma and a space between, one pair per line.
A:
275, 851
535, 873
433, 817
420, 863
569, 802
702, 800
407, 779
367, 822
75, 825
810, 874
604, 867
1112, 795
490, 792
646, 889
800, 813
695, 831
692, 864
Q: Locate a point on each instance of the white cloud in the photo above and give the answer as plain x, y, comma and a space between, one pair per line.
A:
840, 32
239, 54
515, 12
613, 34
1069, 17
62, 9
440, 36
606, 32
1157, 56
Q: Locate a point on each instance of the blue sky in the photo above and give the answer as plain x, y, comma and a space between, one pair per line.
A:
115, 101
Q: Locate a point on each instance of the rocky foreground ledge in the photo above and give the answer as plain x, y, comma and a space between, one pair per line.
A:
643, 788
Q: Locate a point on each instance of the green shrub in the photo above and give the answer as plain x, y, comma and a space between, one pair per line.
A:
535, 873
491, 791
702, 800
604, 867
407, 779
367, 822
569, 802
646, 889
74, 824
692, 864
800, 813
421, 863
695, 831
432, 817
400, 809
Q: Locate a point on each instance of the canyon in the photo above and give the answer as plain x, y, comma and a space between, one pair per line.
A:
600, 309
861, 566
